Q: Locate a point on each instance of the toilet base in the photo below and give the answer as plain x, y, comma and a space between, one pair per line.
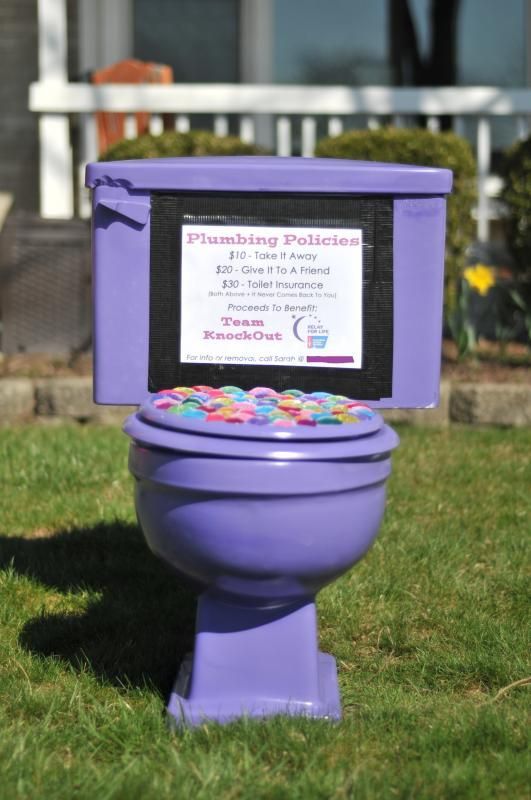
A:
254, 662
186, 713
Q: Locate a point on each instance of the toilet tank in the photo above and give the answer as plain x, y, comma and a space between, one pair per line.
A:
284, 272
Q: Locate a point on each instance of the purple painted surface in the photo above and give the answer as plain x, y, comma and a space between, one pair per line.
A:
121, 257
120, 287
263, 547
193, 473
259, 536
255, 662
269, 174
418, 252
279, 445
329, 359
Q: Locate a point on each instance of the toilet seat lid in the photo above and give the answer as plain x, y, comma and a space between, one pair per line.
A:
297, 433
368, 439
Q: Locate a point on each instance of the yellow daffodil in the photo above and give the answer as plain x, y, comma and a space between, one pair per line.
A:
480, 278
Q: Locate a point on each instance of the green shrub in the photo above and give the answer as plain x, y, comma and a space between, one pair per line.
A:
418, 146
516, 193
171, 143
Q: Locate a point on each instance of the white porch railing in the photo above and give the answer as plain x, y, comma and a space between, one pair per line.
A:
286, 113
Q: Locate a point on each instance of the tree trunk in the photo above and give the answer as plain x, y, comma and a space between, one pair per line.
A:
440, 67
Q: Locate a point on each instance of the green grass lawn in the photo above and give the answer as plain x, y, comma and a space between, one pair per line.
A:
427, 630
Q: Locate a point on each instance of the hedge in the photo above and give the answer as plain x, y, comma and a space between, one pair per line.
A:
422, 147
516, 194
171, 143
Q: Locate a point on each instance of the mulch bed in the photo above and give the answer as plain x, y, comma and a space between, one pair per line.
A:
492, 364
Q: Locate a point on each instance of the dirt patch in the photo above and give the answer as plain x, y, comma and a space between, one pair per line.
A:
42, 365
492, 364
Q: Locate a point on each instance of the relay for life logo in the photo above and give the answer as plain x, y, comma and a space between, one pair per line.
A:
270, 295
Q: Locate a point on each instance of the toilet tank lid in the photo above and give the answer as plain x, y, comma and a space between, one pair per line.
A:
269, 174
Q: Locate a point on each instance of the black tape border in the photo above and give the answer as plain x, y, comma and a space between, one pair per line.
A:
372, 213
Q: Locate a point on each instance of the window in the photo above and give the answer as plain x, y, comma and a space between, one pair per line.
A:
199, 39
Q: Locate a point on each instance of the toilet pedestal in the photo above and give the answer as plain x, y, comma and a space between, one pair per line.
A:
255, 662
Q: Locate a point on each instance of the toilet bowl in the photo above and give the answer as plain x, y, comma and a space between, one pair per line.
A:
258, 520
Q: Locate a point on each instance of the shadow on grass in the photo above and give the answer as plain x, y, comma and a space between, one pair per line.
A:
140, 622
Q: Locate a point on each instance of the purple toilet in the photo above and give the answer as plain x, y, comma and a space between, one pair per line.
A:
310, 274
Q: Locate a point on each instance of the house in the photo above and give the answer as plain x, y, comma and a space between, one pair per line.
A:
289, 70
280, 72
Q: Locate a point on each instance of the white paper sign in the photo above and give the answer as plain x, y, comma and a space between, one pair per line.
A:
271, 295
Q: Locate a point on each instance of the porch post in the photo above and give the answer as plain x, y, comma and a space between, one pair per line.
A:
105, 36
526, 119
528, 42
105, 32
483, 162
56, 169
256, 57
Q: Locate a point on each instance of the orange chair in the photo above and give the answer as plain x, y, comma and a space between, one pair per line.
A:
111, 125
